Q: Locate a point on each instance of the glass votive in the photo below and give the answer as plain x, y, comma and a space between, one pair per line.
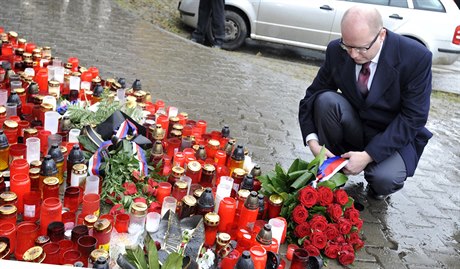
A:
3, 97
26, 233
73, 135
122, 222
71, 196
54, 139
229, 261
71, 256
59, 73
86, 244
49, 99
15, 84
121, 95
69, 219
43, 136
153, 222
277, 228
92, 184
32, 201
51, 210
227, 210
65, 245
19, 166
55, 231
11, 109
9, 230
77, 232
52, 251
18, 151
290, 251
169, 203
283, 238
259, 256
52, 121
163, 190
299, 259
109, 217
91, 204
173, 146
20, 184
33, 149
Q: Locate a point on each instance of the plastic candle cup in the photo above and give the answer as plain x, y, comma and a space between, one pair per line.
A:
11, 109
19, 166
122, 222
227, 209
52, 251
51, 210
92, 184
169, 203
77, 232
32, 203
91, 204
86, 244
277, 228
26, 234
3, 97
73, 135
33, 149
71, 256
71, 197
55, 231
164, 189
52, 121
259, 256
20, 184
299, 259
9, 230
153, 222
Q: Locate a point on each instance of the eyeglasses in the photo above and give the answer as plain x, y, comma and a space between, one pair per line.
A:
359, 49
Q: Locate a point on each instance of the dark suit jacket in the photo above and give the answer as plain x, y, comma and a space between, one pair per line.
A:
395, 112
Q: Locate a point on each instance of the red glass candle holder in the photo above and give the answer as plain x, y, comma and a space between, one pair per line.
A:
65, 245
19, 166
71, 256
229, 262
299, 259
69, 219
122, 222
9, 230
164, 189
163, 120
43, 136
259, 256
91, 204
86, 244
50, 211
32, 202
71, 198
20, 184
23, 124
30, 47
55, 231
11, 135
26, 234
75, 62
52, 251
77, 232
41, 77
220, 157
18, 151
290, 251
227, 210
202, 125
173, 146
111, 218
179, 159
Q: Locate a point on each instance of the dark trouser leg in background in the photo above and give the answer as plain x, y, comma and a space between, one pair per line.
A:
218, 21
340, 130
204, 11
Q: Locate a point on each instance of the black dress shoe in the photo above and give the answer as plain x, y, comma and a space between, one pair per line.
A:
380, 197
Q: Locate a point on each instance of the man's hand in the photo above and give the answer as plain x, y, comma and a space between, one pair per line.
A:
357, 161
315, 148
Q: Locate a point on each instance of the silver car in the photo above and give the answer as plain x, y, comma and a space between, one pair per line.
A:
313, 23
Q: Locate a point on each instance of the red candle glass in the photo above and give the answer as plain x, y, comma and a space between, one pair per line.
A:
299, 259
71, 256
75, 62
179, 159
32, 202
50, 187
20, 184
220, 157
259, 256
18, 151
163, 190
201, 124
77, 232
23, 124
69, 219
290, 251
26, 234
43, 136
86, 244
19, 166
91, 204
227, 210
55, 231
111, 218
173, 146
41, 77
52, 251
71, 197
230, 260
65, 245
9, 230
50, 211
163, 120
122, 222
30, 47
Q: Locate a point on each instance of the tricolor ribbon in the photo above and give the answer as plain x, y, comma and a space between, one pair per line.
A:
96, 160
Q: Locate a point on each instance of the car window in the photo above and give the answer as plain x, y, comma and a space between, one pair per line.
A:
432, 5
393, 3
398, 3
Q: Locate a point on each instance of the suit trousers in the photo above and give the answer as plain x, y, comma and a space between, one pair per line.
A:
214, 10
341, 130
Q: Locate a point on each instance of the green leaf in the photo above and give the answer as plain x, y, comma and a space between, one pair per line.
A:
339, 179
136, 256
328, 183
152, 254
294, 175
279, 170
302, 181
174, 261
349, 203
294, 166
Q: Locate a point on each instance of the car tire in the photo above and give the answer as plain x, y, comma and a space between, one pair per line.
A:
236, 31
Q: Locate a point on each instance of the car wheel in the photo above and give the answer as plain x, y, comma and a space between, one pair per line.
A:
236, 31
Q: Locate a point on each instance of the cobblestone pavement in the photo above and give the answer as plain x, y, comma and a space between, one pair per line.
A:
418, 227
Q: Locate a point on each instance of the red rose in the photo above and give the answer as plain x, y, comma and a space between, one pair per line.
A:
137, 176
318, 239
359, 244
318, 223
117, 209
332, 231
312, 250
341, 197
308, 196
353, 238
352, 214
344, 226
154, 207
140, 199
302, 230
152, 183
148, 190
346, 248
325, 196
334, 211
332, 251
299, 214
339, 239
359, 224
346, 257
130, 188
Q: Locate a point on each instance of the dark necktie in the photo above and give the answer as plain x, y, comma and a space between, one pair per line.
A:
363, 78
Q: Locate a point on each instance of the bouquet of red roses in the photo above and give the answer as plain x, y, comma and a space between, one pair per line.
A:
324, 222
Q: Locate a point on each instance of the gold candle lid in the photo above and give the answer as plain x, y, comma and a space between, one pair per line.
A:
51, 181
99, 252
8, 209
34, 254
189, 200
214, 143
275, 199
4, 249
181, 184
90, 219
198, 192
211, 219
178, 127
174, 120
46, 106
20, 91
243, 193
2, 110
63, 149
34, 171
53, 83
31, 131
209, 168
184, 114
139, 208
194, 166
27, 56
13, 34
178, 171
10, 124
79, 168
8, 196
42, 240
102, 225
36, 164
22, 40
176, 133
223, 238
240, 172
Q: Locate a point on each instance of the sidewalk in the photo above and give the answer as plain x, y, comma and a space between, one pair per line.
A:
418, 227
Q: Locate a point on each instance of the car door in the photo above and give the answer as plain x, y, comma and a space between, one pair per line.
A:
304, 23
395, 13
